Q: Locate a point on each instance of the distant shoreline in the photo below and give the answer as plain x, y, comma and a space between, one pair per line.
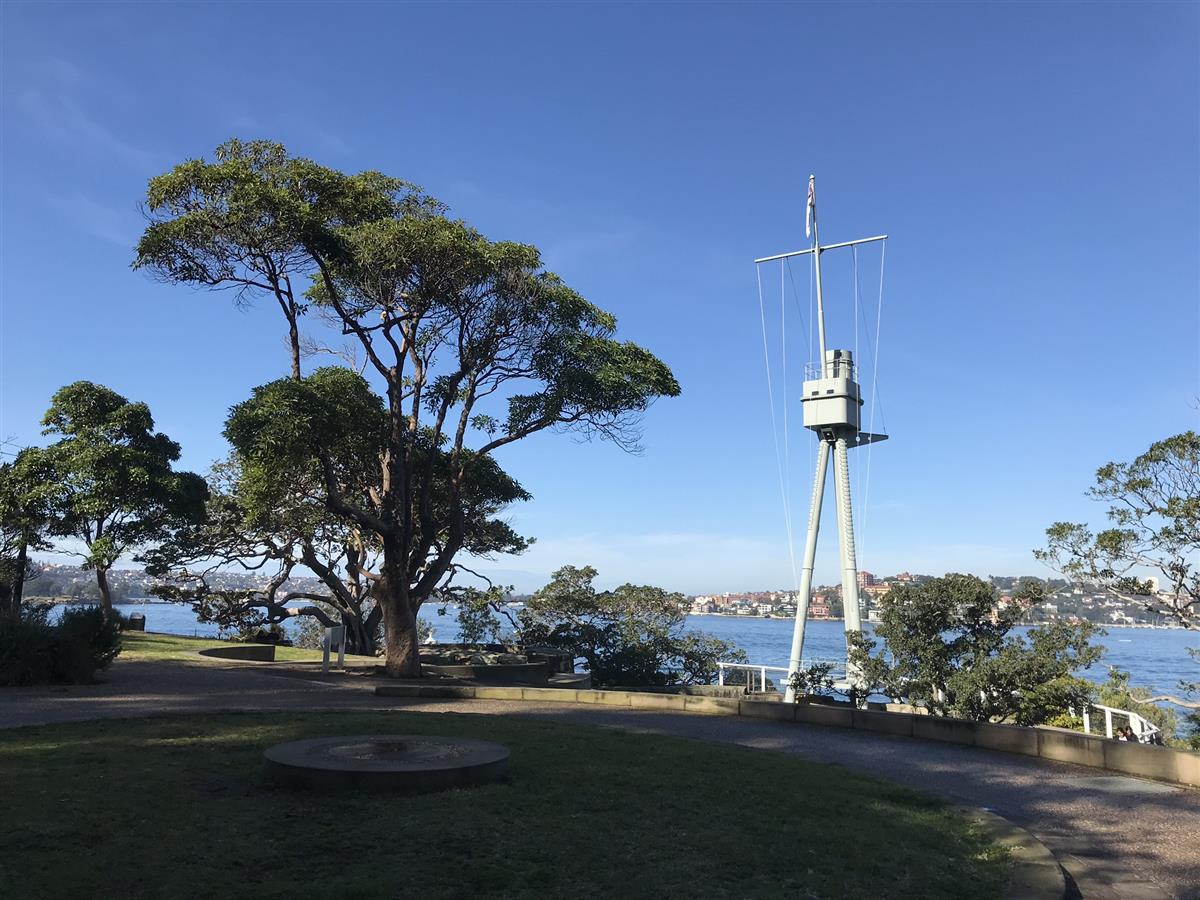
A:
93, 601
138, 601
870, 622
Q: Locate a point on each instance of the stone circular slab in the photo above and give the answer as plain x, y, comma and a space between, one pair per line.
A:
411, 763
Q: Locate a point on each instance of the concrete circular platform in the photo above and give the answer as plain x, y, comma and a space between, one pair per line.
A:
411, 763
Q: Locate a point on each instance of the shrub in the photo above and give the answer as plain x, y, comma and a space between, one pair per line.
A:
86, 640
947, 646
815, 681
32, 651
628, 636
25, 645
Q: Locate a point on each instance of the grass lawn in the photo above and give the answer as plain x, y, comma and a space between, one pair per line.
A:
177, 807
144, 645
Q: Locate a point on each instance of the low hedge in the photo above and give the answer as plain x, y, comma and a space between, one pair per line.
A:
71, 651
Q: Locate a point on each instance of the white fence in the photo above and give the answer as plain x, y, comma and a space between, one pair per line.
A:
837, 670
1143, 729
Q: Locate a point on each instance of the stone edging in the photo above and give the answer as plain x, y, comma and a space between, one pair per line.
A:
1058, 744
241, 652
1035, 874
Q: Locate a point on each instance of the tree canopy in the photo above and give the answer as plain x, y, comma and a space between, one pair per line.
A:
947, 646
1154, 529
23, 524
107, 481
470, 345
242, 221
631, 635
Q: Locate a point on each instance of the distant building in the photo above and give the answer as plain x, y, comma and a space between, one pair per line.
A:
876, 591
865, 579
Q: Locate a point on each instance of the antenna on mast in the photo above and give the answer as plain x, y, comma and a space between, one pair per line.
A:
832, 403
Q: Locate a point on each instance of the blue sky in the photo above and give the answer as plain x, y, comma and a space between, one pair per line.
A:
1035, 166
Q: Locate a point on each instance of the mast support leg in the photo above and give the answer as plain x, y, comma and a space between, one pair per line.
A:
845, 515
806, 574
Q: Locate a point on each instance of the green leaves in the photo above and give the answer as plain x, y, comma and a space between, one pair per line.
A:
256, 213
107, 480
630, 635
948, 647
473, 346
1154, 510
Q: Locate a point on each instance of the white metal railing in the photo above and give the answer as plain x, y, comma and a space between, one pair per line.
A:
838, 666
839, 368
1143, 729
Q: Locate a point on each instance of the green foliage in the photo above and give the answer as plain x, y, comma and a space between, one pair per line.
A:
23, 526
288, 426
1117, 692
947, 647
1154, 526
328, 429
814, 681
86, 640
474, 344
261, 522
697, 654
26, 647
250, 220
32, 651
478, 622
1065, 720
1191, 730
628, 636
107, 481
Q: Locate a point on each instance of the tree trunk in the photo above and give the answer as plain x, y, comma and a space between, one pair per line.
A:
105, 595
359, 641
10, 594
18, 585
402, 656
293, 340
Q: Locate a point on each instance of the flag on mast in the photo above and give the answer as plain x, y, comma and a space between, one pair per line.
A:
810, 210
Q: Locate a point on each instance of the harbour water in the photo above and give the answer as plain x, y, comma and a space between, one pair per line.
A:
1156, 657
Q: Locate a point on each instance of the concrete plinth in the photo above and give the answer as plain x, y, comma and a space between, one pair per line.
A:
407, 763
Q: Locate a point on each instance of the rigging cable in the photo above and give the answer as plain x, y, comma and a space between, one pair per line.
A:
787, 451
787, 513
858, 366
857, 303
876, 401
799, 311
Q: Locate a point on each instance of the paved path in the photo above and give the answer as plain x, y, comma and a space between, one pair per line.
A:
1118, 837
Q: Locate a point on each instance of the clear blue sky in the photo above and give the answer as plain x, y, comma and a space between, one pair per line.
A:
1035, 165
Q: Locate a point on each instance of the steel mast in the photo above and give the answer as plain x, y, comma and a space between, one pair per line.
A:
832, 402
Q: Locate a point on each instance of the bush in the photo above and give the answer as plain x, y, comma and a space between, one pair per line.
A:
32, 651
628, 636
815, 681
25, 646
86, 640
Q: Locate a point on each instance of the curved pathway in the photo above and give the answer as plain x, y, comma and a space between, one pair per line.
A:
1118, 837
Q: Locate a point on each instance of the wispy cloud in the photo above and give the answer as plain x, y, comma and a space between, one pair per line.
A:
115, 226
586, 247
63, 110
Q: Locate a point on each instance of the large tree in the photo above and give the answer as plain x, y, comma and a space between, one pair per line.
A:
947, 647
23, 525
631, 635
472, 344
107, 482
244, 222
272, 529
1154, 530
